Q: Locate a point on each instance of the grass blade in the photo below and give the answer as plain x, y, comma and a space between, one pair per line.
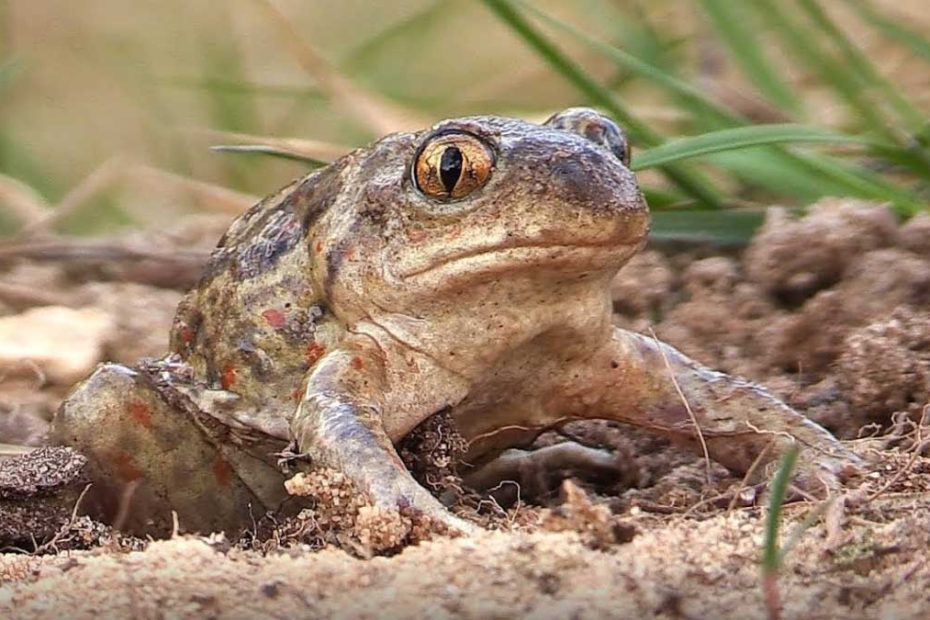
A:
687, 180
411, 25
267, 149
777, 493
8, 71
804, 45
808, 177
771, 559
918, 43
809, 520
698, 102
372, 110
243, 88
737, 138
664, 197
866, 184
637, 129
777, 178
834, 176
721, 227
314, 152
729, 20
861, 64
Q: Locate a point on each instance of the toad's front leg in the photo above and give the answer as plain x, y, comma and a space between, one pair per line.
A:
340, 425
639, 380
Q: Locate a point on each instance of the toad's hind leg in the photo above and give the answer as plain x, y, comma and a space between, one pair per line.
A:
149, 457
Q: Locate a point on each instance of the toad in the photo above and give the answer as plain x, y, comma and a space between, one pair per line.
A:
465, 269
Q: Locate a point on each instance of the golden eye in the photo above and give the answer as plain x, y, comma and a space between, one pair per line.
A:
452, 165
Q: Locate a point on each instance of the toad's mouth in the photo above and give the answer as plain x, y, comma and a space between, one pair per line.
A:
526, 255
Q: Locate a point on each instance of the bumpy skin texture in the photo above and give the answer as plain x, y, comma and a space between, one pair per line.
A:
349, 307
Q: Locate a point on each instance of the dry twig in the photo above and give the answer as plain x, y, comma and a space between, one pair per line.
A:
681, 394
378, 114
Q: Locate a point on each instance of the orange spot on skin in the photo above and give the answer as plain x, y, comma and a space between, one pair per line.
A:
228, 378
296, 393
314, 352
358, 363
275, 318
187, 335
222, 471
416, 235
126, 468
319, 247
350, 254
140, 413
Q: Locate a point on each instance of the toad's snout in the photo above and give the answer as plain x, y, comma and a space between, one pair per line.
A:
590, 179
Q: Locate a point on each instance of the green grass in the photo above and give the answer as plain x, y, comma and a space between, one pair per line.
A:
884, 122
772, 555
916, 41
737, 28
8, 72
737, 138
771, 552
686, 180
715, 166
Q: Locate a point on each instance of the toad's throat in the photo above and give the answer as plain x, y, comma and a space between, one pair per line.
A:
526, 255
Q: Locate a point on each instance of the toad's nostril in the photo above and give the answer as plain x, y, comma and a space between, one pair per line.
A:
594, 126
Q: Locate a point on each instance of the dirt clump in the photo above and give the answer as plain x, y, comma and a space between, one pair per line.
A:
37, 494
721, 318
642, 288
794, 258
343, 517
885, 366
915, 234
432, 451
596, 525
813, 338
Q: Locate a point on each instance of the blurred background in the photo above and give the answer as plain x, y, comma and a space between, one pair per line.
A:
109, 108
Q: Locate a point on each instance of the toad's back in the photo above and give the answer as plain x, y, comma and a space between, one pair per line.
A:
252, 324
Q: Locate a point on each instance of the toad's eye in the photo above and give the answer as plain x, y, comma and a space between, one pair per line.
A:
452, 165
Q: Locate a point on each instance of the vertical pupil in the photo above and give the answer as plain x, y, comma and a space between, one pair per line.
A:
450, 167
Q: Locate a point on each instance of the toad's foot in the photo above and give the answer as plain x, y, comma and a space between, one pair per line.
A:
536, 474
820, 473
338, 425
639, 380
346, 444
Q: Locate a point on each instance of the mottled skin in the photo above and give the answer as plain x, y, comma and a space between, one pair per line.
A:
348, 308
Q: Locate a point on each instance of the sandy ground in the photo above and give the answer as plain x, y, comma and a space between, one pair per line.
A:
830, 311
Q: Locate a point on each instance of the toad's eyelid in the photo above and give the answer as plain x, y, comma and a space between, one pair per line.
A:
447, 132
